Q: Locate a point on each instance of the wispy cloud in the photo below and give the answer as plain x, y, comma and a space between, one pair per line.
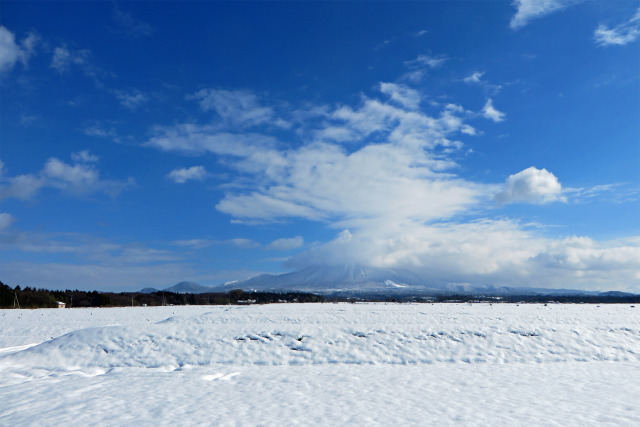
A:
102, 129
489, 112
27, 120
180, 176
86, 247
131, 98
194, 243
64, 59
394, 39
6, 219
240, 108
621, 34
84, 156
476, 79
80, 178
238, 242
12, 52
418, 67
401, 94
286, 244
243, 243
526, 10
426, 61
126, 24
616, 193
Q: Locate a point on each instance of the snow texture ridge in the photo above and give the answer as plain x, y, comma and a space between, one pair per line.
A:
349, 334
322, 364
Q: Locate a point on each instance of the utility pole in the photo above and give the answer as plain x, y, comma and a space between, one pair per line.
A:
15, 300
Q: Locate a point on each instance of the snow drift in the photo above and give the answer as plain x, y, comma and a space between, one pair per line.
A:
373, 334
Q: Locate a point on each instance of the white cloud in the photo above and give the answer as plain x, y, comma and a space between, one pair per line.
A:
476, 77
237, 107
414, 76
85, 246
286, 244
468, 130
243, 243
423, 61
6, 220
21, 186
616, 193
531, 185
84, 157
79, 178
498, 252
401, 94
418, 67
191, 138
102, 129
621, 34
63, 58
489, 112
532, 9
321, 180
180, 176
12, 52
131, 99
385, 172
194, 243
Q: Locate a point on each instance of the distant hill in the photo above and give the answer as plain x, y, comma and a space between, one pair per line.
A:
358, 279
616, 294
182, 288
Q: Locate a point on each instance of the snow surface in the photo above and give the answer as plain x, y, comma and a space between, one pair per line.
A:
322, 364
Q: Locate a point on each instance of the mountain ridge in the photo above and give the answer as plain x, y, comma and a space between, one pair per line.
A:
356, 278
360, 280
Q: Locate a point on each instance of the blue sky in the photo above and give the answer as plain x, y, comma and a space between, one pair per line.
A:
483, 142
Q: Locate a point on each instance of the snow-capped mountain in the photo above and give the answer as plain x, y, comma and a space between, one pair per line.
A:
357, 280
364, 279
335, 278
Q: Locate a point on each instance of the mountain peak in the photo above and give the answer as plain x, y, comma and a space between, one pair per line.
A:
357, 278
188, 287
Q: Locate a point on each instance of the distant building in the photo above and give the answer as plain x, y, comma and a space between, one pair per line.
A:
61, 304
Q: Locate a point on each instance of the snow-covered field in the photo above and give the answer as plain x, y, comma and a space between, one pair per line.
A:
322, 364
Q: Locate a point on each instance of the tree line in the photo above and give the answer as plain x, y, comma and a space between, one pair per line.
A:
43, 298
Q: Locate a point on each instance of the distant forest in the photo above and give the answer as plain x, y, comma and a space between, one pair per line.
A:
42, 298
